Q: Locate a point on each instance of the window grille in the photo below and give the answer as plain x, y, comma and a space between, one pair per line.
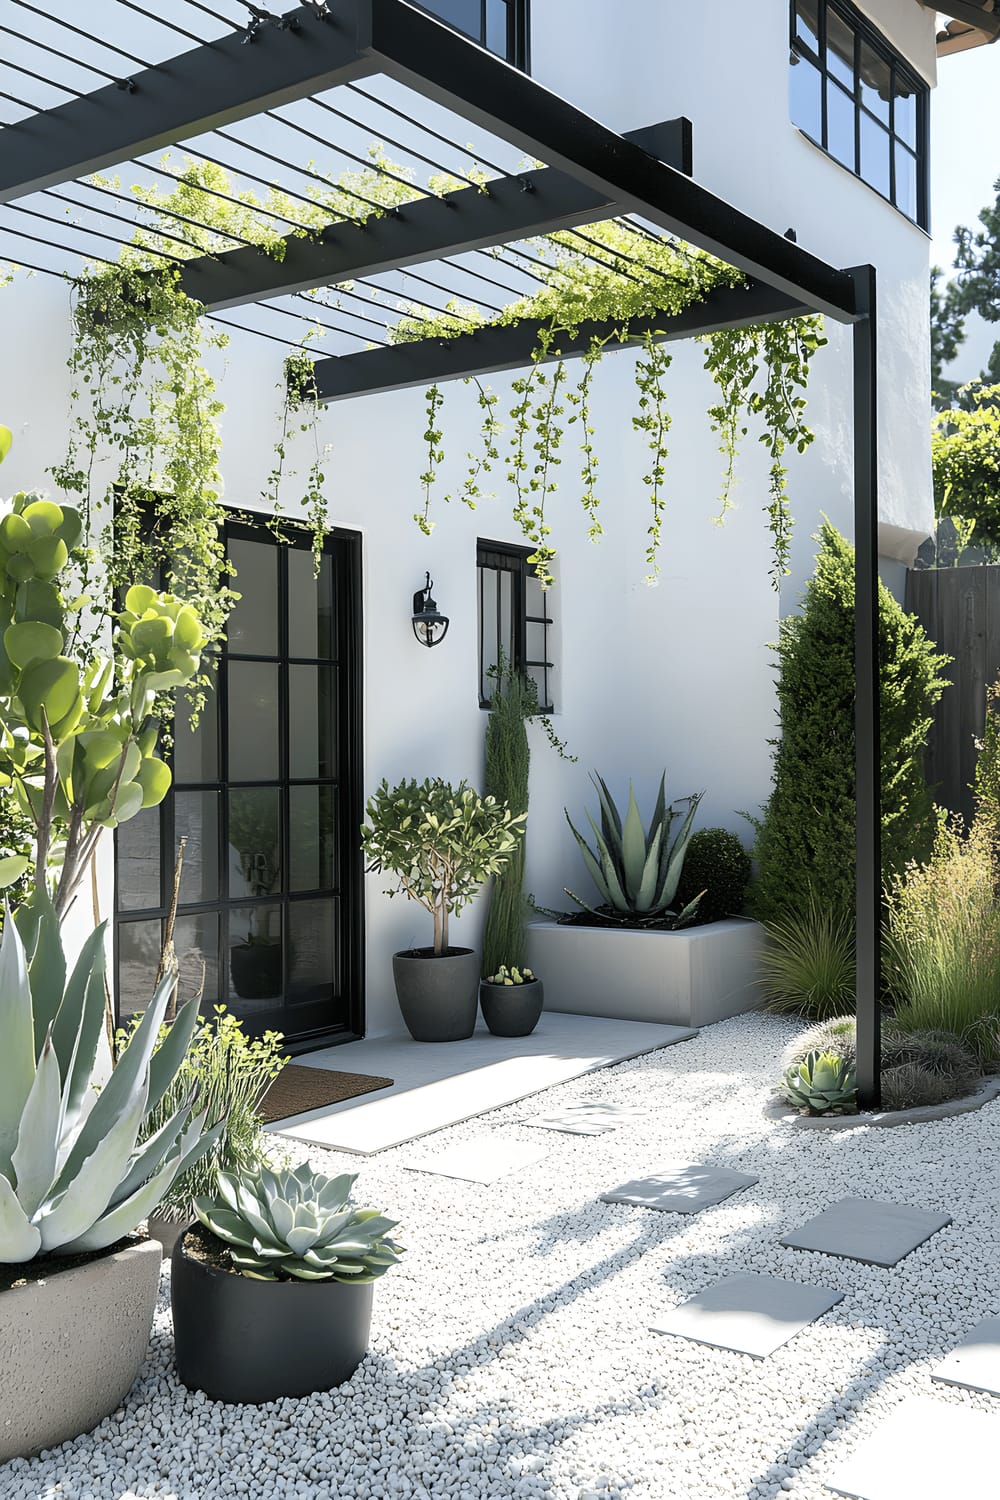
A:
514, 620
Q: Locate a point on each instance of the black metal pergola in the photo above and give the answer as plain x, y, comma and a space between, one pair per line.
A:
328, 57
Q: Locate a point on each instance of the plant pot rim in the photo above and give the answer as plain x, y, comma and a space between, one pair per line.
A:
425, 953
140, 1242
525, 984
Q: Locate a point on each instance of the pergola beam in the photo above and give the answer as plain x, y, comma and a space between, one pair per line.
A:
498, 347
427, 55
970, 13
207, 87
535, 202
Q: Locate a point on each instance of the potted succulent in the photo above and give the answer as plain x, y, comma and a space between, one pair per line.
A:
271, 1290
79, 1171
442, 843
511, 1001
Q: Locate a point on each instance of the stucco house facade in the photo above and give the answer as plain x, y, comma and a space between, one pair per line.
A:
808, 115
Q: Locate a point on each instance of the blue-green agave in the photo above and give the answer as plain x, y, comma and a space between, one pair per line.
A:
636, 872
820, 1082
298, 1224
77, 1169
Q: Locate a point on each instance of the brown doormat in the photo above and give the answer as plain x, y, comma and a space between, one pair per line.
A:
297, 1089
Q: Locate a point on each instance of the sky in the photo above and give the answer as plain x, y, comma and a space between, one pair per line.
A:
965, 163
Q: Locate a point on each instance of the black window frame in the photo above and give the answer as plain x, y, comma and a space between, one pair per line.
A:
505, 557
801, 53
344, 549
518, 52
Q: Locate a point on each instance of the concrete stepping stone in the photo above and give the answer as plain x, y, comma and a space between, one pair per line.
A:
681, 1189
484, 1160
748, 1314
588, 1117
975, 1362
880, 1234
924, 1450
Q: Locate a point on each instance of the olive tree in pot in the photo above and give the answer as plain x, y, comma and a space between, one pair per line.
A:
271, 1290
442, 843
78, 1173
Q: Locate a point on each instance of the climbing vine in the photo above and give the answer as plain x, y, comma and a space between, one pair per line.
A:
627, 280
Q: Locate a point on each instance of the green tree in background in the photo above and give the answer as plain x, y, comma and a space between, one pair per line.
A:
965, 453
806, 837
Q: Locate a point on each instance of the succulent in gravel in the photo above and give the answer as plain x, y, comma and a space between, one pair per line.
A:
298, 1224
918, 1067
76, 1173
507, 976
823, 1081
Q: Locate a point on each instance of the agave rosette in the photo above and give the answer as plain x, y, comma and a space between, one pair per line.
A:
298, 1224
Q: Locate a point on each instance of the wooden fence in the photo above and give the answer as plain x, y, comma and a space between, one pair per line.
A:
960, 610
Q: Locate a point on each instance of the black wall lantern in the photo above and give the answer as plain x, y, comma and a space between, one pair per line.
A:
430, 626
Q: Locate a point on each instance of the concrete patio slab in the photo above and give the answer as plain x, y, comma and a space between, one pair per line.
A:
681, 1189
975, 1362
484, 1160
865, 1229
443, 1083
924, 1450
748, 1314
588, 1117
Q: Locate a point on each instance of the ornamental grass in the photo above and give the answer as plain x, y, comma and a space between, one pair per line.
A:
943, 941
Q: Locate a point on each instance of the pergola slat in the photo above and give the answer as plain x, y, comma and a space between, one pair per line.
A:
429, 56
200, 90
499, 347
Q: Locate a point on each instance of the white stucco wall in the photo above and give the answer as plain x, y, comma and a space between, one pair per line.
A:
675, 676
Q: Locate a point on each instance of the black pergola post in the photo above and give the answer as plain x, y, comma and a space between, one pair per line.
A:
868, 857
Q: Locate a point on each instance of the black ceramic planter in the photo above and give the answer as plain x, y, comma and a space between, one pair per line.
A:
437, 995
512, 1009
250, 1341
256, 970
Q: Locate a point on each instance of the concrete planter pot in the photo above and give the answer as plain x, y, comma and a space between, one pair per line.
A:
511, 1009
240, 1339
72, 1346
687, 978
438, 996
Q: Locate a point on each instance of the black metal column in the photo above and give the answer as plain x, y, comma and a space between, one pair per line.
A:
868, 869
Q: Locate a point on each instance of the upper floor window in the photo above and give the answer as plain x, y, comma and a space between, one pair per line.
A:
499, 25
514, 620
853, 96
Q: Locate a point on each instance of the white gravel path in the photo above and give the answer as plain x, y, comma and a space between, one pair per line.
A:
511, 1355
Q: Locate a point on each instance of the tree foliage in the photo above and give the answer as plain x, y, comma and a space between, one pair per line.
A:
965, 453
806, 837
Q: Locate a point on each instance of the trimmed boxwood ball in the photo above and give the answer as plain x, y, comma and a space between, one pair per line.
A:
918, 1067
716, 863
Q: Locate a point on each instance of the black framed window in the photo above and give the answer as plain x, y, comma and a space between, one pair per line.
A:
267, 795
499, 25
852, 95
514, 619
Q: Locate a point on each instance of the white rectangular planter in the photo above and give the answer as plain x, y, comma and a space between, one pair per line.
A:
686, 978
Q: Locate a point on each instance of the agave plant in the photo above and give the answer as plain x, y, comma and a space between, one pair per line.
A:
637, 873
821, 1082
75, 1171
298, 1224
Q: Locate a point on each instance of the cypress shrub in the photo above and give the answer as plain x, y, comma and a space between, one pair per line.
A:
515, 699
806, 837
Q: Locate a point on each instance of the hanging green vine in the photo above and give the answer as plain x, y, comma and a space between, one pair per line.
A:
760, 372
435, 455
653, 419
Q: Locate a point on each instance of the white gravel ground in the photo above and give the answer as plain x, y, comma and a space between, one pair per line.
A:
511, 1356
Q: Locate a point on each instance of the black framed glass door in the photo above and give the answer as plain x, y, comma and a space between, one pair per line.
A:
267, 797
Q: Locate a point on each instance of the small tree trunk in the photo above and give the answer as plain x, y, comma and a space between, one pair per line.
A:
441, 929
